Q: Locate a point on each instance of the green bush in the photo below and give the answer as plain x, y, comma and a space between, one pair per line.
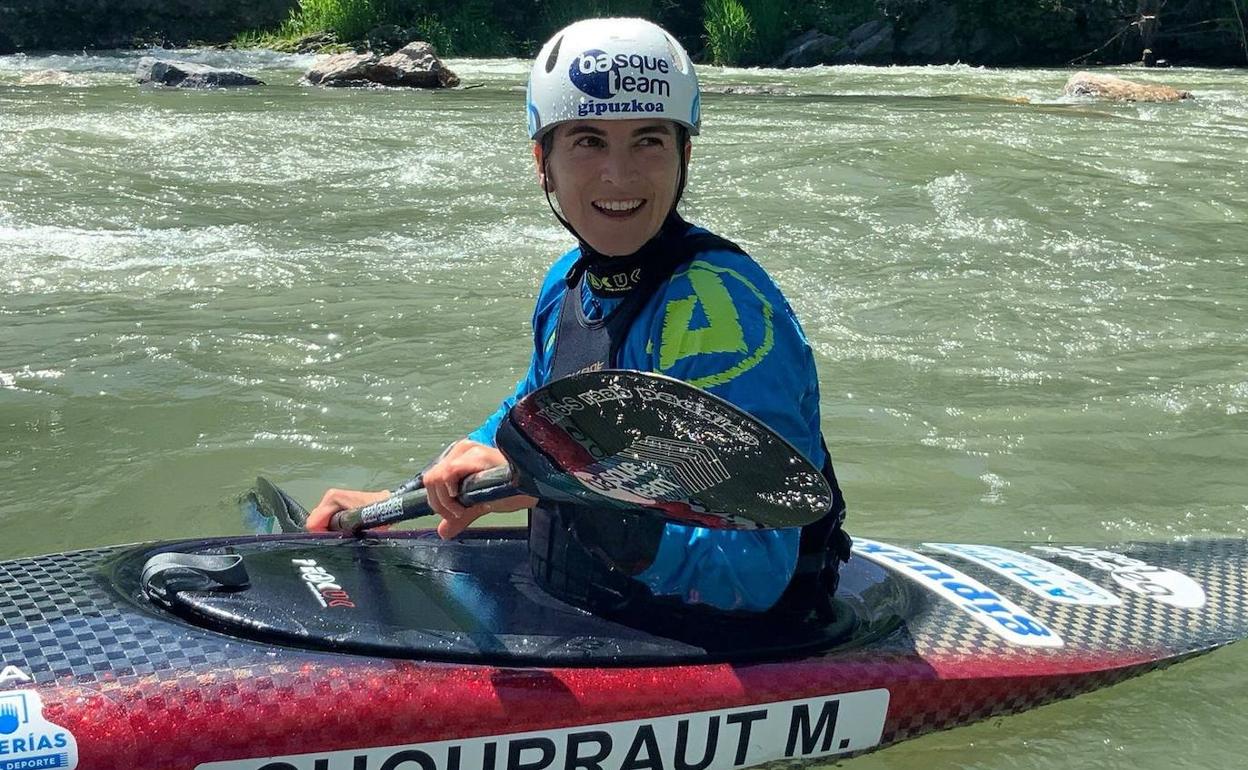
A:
729, 31
475, 29
773, 22
351, 19
431, 30
753, 32
557, 15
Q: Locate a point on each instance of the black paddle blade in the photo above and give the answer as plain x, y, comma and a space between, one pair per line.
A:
266, 508
636, 440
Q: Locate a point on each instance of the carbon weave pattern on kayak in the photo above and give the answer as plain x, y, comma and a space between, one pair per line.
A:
1142, 625
142, 693
60, 620
923, 706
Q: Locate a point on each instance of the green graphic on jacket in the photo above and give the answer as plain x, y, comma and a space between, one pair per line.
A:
707, 324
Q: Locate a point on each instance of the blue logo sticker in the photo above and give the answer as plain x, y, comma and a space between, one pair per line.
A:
992, 610
601, 76
591, 73
27, 740
13, 713
1048, 581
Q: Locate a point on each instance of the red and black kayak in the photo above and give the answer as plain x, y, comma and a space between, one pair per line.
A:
305, 652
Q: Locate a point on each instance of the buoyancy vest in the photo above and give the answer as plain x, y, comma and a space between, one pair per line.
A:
585, 556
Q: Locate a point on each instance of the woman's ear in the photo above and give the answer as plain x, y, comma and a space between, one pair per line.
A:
543, 176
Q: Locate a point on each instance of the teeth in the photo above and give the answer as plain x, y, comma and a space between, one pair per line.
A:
619, 205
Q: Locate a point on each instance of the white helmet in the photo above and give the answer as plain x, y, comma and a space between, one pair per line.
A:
612, 69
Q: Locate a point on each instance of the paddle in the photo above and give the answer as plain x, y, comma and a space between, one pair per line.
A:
267, 509
632, 440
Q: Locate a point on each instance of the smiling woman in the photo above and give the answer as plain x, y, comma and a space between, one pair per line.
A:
645, 290
616, 181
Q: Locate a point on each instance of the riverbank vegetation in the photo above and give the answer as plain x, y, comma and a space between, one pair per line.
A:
759, 32
734, 32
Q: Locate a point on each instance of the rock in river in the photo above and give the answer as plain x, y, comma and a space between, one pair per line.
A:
1117, 89
416, 65
187, 75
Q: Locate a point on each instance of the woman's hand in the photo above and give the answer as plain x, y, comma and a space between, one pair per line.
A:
442, 485
336, 500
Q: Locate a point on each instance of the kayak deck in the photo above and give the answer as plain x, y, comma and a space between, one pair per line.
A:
942, 634
474, 602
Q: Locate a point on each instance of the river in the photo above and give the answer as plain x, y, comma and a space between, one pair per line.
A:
1029, 319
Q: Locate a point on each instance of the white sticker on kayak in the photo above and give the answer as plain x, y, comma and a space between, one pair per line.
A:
27, 740
1048, 581
1163, 585
997, 613
11, 674
711, 740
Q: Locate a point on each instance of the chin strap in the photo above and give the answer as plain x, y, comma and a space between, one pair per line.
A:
546, 188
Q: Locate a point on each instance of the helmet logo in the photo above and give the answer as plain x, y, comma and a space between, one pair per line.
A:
597, 74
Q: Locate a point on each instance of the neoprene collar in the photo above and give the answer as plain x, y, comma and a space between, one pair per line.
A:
615, 277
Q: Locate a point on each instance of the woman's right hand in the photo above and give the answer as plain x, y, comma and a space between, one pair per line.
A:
442, 486
336, 500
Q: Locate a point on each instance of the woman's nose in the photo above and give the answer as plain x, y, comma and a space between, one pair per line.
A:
618, 166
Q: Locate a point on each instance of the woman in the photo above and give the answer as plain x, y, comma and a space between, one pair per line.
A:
612, 105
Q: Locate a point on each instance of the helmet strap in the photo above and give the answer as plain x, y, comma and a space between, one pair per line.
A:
547, 146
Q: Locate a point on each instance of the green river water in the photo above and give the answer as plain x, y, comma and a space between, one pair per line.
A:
1029, 318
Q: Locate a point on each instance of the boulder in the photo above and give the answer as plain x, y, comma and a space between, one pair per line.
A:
180, 74
314, 42
870, 43
989, 47
811, 49
1120, 90
343, 69
416, 65
931, 37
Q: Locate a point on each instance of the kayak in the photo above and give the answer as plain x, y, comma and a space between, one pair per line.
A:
405, 652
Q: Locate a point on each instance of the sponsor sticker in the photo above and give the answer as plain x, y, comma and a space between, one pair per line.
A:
27, 740
1157, 583
381, 512
1048, 581
708, 740
324, 586
13, 674
602, 76
622, 83
995, 612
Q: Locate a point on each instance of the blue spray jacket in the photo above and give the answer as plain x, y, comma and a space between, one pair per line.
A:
719, 323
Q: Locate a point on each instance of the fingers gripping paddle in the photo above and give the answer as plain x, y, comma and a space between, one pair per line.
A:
633, 440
